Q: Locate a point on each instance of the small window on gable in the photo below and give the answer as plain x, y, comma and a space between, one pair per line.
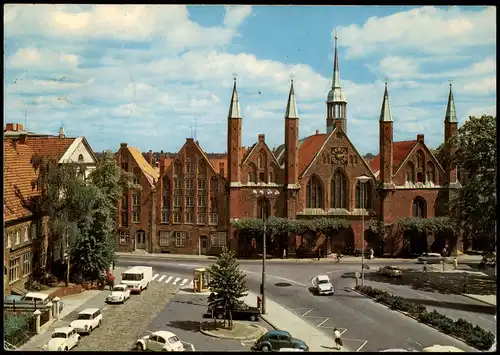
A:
80, 158
262, 177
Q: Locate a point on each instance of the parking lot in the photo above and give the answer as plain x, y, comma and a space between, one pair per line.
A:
183, 316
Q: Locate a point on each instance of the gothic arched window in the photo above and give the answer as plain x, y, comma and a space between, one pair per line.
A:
419, 207
431, 173
410, 172
165, 214
314, 193
339, 191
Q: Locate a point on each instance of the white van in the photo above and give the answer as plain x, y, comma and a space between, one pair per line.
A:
137, 278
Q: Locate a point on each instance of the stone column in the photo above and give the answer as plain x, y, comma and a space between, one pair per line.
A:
49, 306
56, 307
37, 314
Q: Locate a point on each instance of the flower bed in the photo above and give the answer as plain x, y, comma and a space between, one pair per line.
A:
462, 329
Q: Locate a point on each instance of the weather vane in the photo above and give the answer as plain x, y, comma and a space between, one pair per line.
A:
292, 76
336, 33
234, 76
386, 79
450, 81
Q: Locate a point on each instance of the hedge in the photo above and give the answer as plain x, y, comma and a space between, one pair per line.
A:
462, 329
16, 327
280, 226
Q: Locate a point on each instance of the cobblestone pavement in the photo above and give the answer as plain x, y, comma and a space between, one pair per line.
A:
123, 324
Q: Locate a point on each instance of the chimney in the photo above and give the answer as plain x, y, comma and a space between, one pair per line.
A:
162, 164
150, 157
123, 145
22, 138
317, 132
9, 127
262, 138
20, 127
420, 138
61, 132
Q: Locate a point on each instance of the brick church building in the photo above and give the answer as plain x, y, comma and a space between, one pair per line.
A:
185, 203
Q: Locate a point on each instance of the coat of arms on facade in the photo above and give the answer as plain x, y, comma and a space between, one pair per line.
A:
339, 155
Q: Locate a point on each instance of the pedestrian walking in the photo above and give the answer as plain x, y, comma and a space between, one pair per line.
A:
284, 253
338, 340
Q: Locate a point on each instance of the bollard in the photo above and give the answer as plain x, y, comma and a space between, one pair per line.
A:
425, 265
56, 307
49, 306
37, 314
455, 263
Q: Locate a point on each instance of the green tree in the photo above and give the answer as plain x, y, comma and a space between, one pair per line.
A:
474, 207
227, 284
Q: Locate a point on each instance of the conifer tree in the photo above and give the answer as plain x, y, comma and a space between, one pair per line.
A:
227, 285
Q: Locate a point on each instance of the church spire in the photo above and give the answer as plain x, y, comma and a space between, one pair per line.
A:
234, 107
451, 114
291, 106
336, 72
385, 112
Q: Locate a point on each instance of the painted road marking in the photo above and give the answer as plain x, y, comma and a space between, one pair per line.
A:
154, 277
177, 279
276, 277
487, 320
307, 312
168, 280
366, 341
342, 332
161, 278
320, 324
184, 282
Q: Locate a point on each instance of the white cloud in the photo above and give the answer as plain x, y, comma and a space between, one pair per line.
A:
484, 86
425, 30
398, 67
479, 111
35, 58
235, 15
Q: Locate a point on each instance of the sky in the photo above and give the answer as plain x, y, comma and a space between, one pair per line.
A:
148, 74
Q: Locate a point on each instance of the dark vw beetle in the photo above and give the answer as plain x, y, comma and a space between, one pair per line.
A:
274, 340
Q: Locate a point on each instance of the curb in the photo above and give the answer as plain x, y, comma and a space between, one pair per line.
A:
261, 330
268, 322
460, 293
410, 316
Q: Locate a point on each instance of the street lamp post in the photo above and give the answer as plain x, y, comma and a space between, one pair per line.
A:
262, 193
362, 180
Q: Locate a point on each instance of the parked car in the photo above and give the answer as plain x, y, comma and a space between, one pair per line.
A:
274, 340
87, 320
322, 285
119, 294
291, 349
244, 313
161, 340
431, 258
442, 349
29, 300
63, 339
390, 271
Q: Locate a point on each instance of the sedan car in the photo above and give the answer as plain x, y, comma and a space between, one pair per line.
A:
244, 313
390, 271
274, 340
430, 258
87, 320
161, 340
322, 285
63, 339
119, 294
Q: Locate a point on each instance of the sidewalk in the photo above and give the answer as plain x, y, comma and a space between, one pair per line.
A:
72, 305
281, 318
330, 259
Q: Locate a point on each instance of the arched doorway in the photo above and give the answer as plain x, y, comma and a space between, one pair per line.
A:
140, 239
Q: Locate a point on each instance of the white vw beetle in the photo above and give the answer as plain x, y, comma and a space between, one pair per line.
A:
87, 320
161, 340
322, 285
119, 294
63, 339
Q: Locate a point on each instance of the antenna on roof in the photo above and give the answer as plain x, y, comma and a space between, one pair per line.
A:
195, 127
25, 119
191, 128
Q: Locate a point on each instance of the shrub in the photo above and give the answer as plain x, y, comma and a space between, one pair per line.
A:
16, 326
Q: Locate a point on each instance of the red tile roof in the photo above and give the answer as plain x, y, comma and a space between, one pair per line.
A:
19, 180
51, 147
400, 151
308, 149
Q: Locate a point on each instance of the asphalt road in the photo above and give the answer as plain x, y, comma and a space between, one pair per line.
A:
366, 325
182, 316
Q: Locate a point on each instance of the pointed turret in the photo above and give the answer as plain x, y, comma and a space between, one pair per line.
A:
234, 107
291, 106
451, 114
385, 112
336, 102
61, 131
